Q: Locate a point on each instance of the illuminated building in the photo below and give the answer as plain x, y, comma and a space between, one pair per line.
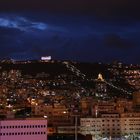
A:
101, 87
112, 125
85, 106
136, 100
101, 107
67, 130
130, 123
28, 129
123, 105
106, 125
57, 115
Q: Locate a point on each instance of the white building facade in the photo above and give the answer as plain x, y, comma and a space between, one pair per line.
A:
111, 125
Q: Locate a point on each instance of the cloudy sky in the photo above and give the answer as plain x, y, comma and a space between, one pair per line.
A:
90, 30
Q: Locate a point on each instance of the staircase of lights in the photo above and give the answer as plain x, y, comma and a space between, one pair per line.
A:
74, 70
78, 73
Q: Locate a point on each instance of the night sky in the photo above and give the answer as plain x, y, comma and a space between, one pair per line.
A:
81, 30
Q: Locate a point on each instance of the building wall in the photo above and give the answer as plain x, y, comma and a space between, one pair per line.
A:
23, 129
42, 110
105, 106
56, 116
114, 125
136, 98
67, 130
130, 126
90, 126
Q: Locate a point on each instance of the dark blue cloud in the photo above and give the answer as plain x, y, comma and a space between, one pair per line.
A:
82, 38
21, 23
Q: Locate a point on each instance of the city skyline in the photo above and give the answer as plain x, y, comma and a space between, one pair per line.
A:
69, 69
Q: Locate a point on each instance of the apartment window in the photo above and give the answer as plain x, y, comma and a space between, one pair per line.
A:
118, 133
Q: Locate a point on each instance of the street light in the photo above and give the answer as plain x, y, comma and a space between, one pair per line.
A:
45, 116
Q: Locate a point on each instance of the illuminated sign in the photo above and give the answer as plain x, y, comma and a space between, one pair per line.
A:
46, 58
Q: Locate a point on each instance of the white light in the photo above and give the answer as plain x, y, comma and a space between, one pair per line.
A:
45, 116
44, 58
9, 106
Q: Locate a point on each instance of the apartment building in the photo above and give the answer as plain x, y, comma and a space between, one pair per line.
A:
23, 129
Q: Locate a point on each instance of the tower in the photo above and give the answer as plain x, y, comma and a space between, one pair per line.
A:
100, 86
